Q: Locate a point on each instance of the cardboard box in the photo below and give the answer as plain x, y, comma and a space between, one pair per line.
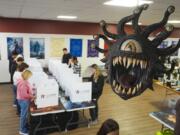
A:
34, 65
47, 94
37, 78
81, 92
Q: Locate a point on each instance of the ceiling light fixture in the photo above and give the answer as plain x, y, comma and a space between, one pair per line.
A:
127, 3
174, 21
66, 17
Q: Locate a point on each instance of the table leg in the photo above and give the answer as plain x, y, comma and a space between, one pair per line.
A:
55, 122
69, 121
38, 125
84, 117
83, 121
44, 129
162, 127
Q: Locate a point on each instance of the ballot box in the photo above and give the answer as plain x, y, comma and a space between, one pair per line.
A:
52, 65
80, 92
34, 65
71, 83
47, 93
37, 78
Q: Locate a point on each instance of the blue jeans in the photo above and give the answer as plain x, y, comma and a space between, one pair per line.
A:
94, 111
24, 105
15, 98
15, 93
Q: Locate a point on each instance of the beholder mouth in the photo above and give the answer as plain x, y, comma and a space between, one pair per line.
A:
127, 74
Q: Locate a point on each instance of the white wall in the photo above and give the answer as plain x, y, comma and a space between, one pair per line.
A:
84, 60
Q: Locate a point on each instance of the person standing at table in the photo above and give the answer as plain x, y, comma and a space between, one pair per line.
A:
97, 80
18, 61
109, 127
16, 77
66, 56
12, 62
24, 96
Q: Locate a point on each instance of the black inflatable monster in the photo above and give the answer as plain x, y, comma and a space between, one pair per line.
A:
133, 59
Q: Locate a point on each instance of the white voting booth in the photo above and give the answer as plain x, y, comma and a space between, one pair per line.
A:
71, 83
47, 93
46, 90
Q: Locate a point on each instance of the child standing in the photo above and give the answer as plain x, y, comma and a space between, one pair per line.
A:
24, 95
16, 77
18, 61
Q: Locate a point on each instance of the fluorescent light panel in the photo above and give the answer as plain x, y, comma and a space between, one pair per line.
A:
174, 21
127, 3
66, 17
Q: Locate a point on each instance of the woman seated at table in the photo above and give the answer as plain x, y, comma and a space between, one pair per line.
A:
75, 65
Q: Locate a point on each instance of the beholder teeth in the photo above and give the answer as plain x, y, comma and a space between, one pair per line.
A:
128, 91
128, 61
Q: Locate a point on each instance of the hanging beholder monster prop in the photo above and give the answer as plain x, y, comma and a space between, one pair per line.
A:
133, 59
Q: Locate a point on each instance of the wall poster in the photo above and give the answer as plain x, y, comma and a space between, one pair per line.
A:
56, 47
37, 48
76, 47
14, 44
91, 51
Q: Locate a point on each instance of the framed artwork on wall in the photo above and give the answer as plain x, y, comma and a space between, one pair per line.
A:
56, 47
37, 48
91, 51
14, 44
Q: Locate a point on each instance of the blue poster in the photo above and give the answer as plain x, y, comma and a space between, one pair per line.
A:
14, 44
76, 47
37, 49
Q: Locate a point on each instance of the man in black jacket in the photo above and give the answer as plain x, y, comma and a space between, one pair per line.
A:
66, 56
12, 63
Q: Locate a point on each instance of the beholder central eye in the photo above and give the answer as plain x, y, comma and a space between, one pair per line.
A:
131, 45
